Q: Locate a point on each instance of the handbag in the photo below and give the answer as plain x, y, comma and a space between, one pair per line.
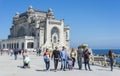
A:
46, 58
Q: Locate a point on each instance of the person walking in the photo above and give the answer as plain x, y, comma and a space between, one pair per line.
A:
26, 59
11, 52
73, 56
39, 51
56, 56
1, 51
86, 55
79, 57
15, 53
47, 59
64, 57
111, 57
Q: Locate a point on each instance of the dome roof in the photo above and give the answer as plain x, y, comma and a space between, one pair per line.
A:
49, 10
30, 7
17, 13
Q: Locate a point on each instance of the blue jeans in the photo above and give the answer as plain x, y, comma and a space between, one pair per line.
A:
87, 63
15, 57
111, 63
47, 64
80, 63
63, 64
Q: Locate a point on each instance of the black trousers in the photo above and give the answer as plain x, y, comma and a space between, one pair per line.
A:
86, 62
73, 61
56, 63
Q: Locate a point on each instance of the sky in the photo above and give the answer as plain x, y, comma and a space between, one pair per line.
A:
95, 22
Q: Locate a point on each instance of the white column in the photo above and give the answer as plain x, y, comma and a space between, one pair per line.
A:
20, 47
25, 44
62, 38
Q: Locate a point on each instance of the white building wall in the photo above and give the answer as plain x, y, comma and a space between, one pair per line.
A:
61, 33
32, 23
19, 40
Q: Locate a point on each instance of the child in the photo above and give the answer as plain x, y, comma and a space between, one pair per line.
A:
70, 64
26, 62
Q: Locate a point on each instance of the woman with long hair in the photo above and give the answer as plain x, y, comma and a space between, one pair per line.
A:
73, 56
111, 57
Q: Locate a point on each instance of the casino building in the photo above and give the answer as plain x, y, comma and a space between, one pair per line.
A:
35, 28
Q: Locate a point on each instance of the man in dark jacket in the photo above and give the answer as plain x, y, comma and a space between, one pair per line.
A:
15, 53
56, 56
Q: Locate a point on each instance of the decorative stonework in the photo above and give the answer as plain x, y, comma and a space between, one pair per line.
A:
38, 28
54, 23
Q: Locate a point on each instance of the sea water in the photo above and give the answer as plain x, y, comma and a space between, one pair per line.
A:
105, 52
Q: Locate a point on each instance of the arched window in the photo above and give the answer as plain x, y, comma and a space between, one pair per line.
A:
17, 45
12, 46
55, 39
3, 45
55, 30
30, 45
66, 35
22, 45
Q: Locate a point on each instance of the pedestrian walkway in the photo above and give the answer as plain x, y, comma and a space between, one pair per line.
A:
11, 67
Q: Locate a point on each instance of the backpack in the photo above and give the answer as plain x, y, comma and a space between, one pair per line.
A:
26, 60
86, 54
46, 57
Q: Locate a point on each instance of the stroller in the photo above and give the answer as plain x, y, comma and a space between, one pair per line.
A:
26, 62
70, 64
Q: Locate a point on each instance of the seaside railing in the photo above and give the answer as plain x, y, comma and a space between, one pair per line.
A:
100, 60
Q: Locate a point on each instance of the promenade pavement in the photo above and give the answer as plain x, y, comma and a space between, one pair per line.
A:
11, 67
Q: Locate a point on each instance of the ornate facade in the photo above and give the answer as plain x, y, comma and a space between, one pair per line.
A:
34, 29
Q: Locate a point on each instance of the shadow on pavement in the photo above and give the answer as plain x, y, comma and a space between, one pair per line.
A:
20, 66
44, 70
103, 70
